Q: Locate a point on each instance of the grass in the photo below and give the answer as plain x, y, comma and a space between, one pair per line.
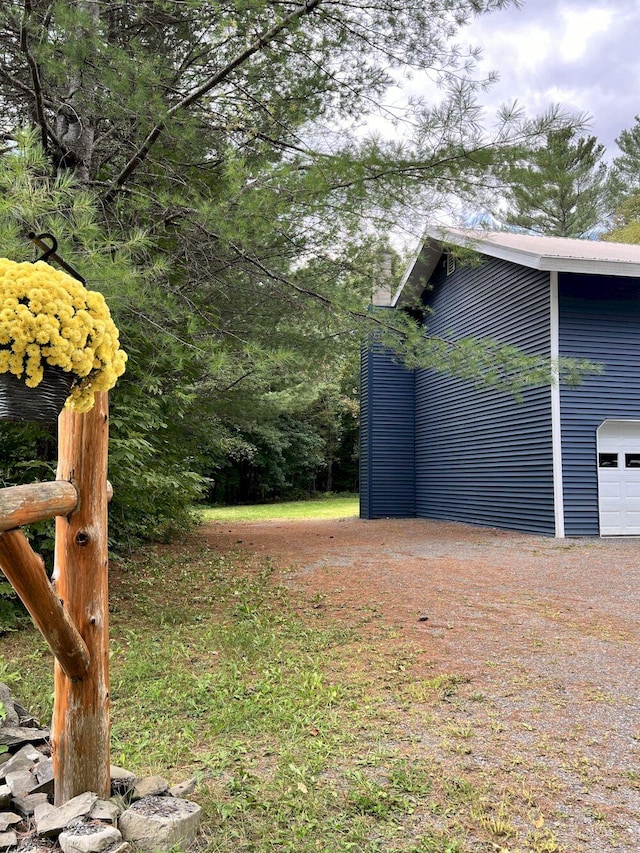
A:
326, 506
306, 733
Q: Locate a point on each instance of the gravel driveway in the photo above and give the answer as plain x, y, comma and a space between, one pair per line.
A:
545, 631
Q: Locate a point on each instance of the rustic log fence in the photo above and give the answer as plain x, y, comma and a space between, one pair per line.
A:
71, 611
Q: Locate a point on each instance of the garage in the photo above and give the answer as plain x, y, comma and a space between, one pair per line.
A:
443, 446
619, 477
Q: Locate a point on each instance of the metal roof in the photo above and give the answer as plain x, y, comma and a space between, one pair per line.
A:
561, 254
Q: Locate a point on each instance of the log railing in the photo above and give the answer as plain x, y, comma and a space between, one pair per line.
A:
21, 505
71, 611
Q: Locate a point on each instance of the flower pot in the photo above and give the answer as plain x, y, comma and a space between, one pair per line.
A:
46, 314
44, 403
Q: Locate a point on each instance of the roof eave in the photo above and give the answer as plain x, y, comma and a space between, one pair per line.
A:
418, 272
434, 243
537, 260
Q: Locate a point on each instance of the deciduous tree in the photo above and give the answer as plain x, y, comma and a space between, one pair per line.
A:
626, 221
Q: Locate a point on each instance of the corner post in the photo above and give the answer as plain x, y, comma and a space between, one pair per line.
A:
80, 730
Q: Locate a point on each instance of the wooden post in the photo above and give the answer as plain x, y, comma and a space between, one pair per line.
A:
80, 729
24, 569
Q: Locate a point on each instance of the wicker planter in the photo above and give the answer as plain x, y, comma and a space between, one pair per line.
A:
43, 403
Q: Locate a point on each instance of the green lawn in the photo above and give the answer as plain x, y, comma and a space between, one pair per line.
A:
327, 506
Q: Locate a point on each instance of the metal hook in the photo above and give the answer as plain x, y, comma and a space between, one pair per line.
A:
52, 252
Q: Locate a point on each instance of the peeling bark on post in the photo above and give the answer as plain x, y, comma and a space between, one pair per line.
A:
80, 730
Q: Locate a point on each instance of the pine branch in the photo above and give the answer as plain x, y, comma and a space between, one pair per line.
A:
197, 94
274, 276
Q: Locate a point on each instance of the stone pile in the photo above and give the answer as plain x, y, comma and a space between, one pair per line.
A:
145, 813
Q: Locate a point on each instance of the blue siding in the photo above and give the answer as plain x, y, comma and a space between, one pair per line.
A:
599, 320
482, 456
365, 417
387, 465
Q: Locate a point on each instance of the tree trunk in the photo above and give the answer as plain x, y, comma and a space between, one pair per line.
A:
80, 732
75, 117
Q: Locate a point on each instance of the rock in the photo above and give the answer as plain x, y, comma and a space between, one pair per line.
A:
184, 789
89, 838
150, 786
119, 773
122, 781
8, 839
50, 821
24, 759
45, 815
7, 819
13, 735
28, 805
160, 823
21, 783
106, 810
34, 844
5, 796
12, 718
24, 717
43, 772
46, 788
28, 751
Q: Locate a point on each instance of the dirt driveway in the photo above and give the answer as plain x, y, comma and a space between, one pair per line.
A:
547, 630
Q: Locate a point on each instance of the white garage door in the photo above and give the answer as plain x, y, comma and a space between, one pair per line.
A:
619, 478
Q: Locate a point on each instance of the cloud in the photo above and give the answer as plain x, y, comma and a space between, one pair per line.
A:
577, 53
579, 29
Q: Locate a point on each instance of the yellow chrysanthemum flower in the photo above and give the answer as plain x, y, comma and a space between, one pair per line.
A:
49, 318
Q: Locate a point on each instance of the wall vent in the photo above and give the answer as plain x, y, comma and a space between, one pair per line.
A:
450, 263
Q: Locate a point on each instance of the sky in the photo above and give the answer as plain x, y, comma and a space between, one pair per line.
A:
582, 54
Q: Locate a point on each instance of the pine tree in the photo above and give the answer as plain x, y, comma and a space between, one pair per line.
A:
625, 170
558, 188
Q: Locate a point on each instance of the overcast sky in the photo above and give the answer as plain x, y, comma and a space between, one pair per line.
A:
583, 54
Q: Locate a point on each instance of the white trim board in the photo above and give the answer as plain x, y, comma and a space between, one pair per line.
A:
556, 434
